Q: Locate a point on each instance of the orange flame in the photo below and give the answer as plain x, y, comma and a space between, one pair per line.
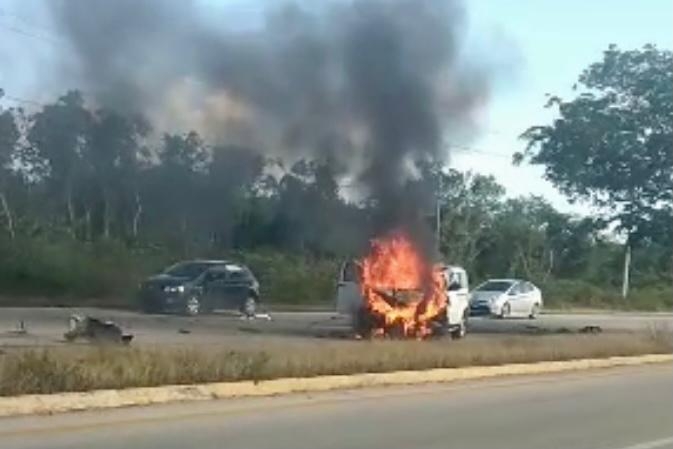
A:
401, 290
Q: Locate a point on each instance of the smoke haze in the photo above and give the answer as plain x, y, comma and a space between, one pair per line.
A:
374, 85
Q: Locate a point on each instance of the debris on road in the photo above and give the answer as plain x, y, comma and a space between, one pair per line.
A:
182, 330
20, 329
261, 316
591, 330
249, 330
95, 330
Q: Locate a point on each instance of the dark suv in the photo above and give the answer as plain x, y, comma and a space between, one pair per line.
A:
200, 286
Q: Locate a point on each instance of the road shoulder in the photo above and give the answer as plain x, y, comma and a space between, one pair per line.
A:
105, 399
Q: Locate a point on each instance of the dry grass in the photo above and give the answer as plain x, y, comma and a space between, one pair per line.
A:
80, 369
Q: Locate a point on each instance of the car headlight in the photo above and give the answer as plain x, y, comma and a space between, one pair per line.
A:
174, 289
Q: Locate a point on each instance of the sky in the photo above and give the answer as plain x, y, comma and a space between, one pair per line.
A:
551, 43
536, 47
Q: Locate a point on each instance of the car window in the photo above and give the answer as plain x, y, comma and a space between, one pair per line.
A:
188, 270
494, 286
457, 277
453, 278
462, 280
216, 275
350, 272
238, 275
516, 289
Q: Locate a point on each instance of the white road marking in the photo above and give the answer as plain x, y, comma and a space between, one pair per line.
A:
651, 444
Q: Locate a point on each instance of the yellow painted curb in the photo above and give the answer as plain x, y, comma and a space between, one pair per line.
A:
99, 399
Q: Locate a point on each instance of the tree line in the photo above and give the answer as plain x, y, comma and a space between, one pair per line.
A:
89, 175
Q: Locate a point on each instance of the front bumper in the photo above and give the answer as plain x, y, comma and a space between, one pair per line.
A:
482, 309
160, 301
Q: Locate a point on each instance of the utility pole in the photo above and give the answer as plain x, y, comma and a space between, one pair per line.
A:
438, 214
627, 268
438, 223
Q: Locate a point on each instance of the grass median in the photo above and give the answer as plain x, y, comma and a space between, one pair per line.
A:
28, 371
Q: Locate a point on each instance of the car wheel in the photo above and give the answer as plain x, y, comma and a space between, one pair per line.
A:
534, 311
249, 307
461, 330
505, 311
193, 305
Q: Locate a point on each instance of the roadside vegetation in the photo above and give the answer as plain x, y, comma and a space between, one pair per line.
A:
92, 201
26, 371
64, 272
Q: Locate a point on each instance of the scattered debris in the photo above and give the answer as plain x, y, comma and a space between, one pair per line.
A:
20, 329
591, 330
261, 316
562, 330
249, 330
95, 330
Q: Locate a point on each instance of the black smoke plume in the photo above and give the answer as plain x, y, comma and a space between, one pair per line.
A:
376, 85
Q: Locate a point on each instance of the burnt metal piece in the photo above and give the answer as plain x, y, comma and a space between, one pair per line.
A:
95, 330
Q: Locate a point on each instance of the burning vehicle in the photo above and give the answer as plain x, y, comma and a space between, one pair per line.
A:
396, 292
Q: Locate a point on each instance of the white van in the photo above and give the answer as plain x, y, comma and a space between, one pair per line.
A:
349, 300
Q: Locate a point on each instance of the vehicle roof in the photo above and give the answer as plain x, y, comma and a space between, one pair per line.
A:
454, 267
451, 267
503, 280
223, 265
211, 261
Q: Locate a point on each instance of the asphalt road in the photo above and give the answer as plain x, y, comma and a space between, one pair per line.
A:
45, 326
610, 409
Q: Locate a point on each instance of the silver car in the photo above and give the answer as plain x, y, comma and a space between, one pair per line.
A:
506, 298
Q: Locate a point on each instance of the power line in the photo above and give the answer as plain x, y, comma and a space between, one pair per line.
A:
28, 23
15, 99
28, 34
474, 150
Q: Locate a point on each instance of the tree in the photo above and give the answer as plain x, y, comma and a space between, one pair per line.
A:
58, 136
517, 243
115, 152
231, 178
469, 204
9, 137
612, 143
175, 189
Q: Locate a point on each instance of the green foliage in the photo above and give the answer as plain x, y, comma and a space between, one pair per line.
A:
611, 144
292, 279
470, 203
107, 272
90, 204
567, 293
9, 136
104, 272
